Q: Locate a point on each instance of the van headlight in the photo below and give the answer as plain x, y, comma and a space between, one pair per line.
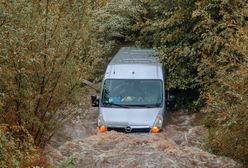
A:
157, 124
100, 121
102, 128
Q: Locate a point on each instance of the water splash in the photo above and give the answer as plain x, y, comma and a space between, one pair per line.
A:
179, 145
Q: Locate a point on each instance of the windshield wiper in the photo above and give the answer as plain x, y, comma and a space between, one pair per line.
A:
117, 105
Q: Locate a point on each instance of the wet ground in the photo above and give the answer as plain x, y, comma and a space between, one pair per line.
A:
179, 145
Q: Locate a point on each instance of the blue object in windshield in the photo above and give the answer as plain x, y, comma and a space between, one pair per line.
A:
115, 100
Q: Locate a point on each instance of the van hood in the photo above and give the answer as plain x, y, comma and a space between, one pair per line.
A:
136, 118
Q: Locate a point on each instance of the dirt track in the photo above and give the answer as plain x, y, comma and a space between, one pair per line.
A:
179, 145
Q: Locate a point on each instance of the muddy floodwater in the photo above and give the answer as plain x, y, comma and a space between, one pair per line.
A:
179, 145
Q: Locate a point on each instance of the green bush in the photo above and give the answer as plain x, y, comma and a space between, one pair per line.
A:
17, 147
46, 49
227, 118
225, 71
227, 97
69, 162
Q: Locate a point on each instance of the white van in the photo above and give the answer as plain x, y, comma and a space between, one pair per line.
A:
132, 95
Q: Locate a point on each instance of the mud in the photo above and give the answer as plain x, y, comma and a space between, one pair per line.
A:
179, 145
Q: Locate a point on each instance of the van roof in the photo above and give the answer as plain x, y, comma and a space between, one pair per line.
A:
129, 55
134, 63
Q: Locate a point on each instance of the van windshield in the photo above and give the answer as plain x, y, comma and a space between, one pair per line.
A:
132, 92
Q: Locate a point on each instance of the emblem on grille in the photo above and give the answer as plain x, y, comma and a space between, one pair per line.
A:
128, 129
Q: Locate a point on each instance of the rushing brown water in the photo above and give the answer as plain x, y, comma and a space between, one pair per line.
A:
179, 145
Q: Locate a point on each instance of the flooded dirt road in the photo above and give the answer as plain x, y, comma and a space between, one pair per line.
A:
179, 145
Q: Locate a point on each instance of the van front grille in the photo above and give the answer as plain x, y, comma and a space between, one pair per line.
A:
134, 130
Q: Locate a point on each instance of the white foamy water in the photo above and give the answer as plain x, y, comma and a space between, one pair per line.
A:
179, 145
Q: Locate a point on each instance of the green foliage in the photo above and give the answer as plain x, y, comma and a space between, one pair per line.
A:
46, 49
17, 147
228, 114
112, 22
222, 74
225, 71
68, 162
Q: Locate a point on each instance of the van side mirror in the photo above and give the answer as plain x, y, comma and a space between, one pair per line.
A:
171, 101
94, 101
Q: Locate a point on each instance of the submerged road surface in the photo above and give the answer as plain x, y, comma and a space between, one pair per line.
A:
179, 145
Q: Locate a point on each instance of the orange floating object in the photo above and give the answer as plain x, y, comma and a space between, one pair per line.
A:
102, 129
155, 130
